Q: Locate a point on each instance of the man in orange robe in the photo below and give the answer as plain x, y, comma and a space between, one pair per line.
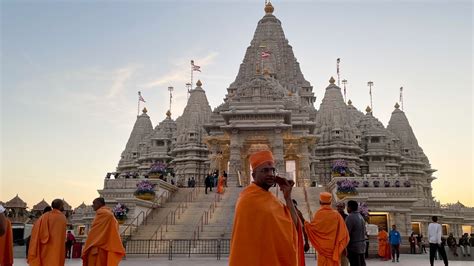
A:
327, 232
6, 241
265, 232
384, 246
103, 245
48, 238
220, 185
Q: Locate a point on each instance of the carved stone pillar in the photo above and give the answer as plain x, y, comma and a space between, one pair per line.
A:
234, 160
278, 151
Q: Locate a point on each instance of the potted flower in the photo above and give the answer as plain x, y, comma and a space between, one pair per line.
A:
159, 169
145, 190
120, 212
397, 183
376, 183
407, 183
340, 168
365, 183
364, 211
386, 183
346, 188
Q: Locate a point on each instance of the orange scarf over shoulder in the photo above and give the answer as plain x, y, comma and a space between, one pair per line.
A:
48, 238
6, 246
103, 245
328, 234
263, 232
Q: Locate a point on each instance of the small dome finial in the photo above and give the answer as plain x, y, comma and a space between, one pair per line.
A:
397, 106
144, 110
199, 83
168, 114
332, 80
349, 102
269, 8
368, 109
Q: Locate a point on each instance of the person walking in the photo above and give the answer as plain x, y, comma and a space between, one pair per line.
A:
70, 240
6, 240
395, 240
327, 232
435, 241
103, 244
48, 238
208, 182
356, 227
384, 246
412, 240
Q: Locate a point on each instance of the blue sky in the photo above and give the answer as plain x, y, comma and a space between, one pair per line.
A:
70, 72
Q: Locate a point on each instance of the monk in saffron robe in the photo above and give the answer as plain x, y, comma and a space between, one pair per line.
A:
48, 238
327, 232
220, 185
384, 246
6, 243
265, 232
103, 245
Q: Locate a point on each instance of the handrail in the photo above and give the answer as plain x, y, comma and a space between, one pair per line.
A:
206, 216
170, 218
124, 233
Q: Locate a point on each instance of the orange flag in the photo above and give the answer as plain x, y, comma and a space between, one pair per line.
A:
263, 232
6, 246
103, 245
48, 238
328, 234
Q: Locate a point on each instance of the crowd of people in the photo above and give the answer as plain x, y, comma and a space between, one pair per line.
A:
50, 244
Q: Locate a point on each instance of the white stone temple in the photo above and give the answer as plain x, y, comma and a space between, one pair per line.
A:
270, 106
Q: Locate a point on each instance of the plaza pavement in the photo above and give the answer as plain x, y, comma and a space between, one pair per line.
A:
405, 260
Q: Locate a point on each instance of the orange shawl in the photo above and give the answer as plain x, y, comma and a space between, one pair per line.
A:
263, 232
103, 245
384, 247
6, 246
328, 234
48, 238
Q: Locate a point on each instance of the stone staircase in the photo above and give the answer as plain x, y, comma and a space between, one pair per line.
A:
192, 214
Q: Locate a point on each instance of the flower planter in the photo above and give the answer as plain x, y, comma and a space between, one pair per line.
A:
342, 195
121, 221
145, 196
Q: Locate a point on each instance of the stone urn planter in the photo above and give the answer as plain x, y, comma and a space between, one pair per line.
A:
145, 196
121, 221
343, 195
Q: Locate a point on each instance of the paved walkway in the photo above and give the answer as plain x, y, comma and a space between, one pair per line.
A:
405, 260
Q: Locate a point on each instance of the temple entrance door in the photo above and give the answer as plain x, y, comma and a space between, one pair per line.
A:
290, 166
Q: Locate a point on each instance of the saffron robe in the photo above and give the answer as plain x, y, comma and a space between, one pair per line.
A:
6, 246
263, 232
384, 246
328, 234
220, 185
103, 245
48, 238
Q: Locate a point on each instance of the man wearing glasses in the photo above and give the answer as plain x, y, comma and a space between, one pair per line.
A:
266, 231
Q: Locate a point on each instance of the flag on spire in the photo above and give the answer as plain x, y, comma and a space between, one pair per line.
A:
195, 67
140, 98
265, 54
401, 92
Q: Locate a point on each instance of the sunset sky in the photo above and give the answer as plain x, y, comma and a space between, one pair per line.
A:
70, 72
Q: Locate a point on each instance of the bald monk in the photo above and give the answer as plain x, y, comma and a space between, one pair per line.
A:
384, 246
103, 245
327, 232
6, 240
265, 232
48, 236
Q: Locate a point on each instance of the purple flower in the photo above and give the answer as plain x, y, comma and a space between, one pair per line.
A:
145, 186
347, 186
120, 211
